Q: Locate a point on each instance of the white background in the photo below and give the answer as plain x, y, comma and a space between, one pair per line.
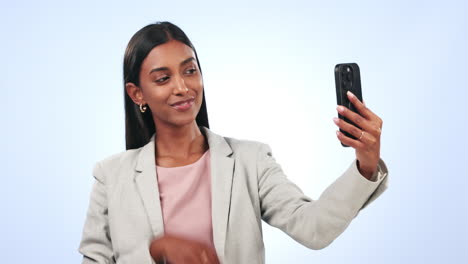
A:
268, 73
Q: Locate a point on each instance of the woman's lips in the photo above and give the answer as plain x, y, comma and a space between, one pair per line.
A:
183, 106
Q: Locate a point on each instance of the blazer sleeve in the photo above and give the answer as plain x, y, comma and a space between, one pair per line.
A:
314, 223
96, 244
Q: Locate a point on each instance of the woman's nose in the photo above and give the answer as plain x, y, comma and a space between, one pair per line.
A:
180, 86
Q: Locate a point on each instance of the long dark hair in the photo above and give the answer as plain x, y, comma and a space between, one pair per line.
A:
139, 127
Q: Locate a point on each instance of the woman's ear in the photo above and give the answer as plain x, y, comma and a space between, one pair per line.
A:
135, 93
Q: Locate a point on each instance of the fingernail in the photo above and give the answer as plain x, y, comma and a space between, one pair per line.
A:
340, 109
337, 133
335, 119
350, 93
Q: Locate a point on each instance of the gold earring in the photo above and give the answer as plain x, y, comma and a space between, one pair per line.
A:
142, 108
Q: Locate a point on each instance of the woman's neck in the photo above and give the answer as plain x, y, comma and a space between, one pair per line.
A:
180, 142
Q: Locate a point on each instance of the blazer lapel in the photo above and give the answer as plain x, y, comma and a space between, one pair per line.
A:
222, 169
147, 184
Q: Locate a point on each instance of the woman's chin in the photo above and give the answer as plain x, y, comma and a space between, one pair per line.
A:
183, 121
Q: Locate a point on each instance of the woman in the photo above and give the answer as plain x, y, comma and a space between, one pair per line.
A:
184, 194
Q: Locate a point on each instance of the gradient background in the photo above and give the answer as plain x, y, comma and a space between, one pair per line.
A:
268, 73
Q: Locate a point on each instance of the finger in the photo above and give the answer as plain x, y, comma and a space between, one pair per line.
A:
368, 139
357, 119
208, 256
204, 257
373, 129
356, 132
195, 258
361, 107
373, 126
213, 257
356, 144
190, 254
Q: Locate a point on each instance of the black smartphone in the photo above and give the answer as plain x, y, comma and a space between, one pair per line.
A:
347, 78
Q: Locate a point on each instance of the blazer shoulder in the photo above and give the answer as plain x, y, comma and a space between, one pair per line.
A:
114, 163
245, 146
236, 144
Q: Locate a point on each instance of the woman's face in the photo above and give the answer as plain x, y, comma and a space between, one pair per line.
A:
169, 74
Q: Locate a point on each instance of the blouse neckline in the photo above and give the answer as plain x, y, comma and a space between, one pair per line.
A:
185, 166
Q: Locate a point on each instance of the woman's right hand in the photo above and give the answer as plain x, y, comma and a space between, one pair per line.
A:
178, 250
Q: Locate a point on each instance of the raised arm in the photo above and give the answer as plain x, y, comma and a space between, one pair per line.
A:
314, 223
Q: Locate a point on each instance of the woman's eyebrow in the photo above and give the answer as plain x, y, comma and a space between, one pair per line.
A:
166, 68
187, 60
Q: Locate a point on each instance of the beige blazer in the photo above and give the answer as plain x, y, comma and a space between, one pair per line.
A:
248, 186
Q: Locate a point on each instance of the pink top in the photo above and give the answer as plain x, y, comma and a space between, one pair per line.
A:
185, 194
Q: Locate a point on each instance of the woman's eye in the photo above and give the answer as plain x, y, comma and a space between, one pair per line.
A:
191, 71
160, 80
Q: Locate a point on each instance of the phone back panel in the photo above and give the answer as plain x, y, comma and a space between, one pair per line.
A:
347, 78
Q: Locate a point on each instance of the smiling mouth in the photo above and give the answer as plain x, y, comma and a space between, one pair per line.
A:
184, 106
183, 102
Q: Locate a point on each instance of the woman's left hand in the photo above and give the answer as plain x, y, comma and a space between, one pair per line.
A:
367, 144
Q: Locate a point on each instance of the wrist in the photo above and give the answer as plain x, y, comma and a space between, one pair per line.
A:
366, 172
